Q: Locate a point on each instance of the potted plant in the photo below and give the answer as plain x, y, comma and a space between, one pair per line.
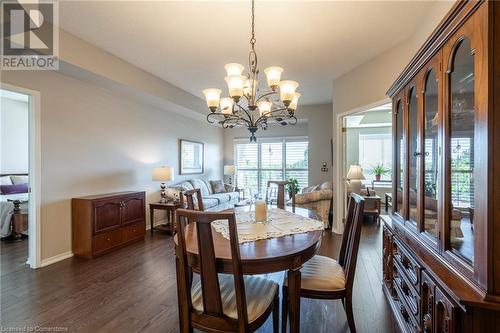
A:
379, 170
293, 184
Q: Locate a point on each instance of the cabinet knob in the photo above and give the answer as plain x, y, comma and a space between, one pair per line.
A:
133, 230
108, 239
416, 154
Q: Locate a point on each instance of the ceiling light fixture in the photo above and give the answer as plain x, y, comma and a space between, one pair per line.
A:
248, 105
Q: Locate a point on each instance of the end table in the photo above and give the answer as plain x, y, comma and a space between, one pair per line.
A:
170, 208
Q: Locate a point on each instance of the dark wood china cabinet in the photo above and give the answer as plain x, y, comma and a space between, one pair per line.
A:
441, 244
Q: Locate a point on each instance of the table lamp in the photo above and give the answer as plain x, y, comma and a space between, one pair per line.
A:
162, 175
355, 176
230, 170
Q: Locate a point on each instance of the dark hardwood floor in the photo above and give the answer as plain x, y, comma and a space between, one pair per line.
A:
134, 290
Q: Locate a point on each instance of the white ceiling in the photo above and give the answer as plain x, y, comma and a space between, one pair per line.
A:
187, 43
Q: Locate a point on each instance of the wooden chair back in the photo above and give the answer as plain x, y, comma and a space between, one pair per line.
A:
191, 202
347, 231
212, 302
280, 202
355, 219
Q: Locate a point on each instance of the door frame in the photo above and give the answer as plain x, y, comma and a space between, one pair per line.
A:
34, 226
339, 176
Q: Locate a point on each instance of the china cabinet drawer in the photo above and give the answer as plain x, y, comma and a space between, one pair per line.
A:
409, 266
407, 293
409, 323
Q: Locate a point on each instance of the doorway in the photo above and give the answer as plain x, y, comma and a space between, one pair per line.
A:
19, 177
365, 137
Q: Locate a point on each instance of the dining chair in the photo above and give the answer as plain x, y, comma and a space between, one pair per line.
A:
193, 204
280, 200
325, 278
220, 302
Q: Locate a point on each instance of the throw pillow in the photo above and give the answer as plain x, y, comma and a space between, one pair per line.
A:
14, 189
19, 179
5, 180
218, 186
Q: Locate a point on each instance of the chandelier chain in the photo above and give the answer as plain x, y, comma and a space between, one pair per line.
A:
253, 40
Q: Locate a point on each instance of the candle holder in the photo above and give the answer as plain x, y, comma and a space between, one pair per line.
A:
260, 211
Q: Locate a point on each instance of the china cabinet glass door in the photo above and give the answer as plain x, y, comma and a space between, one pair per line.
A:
414, 154
431, 155
461, 150
399, 158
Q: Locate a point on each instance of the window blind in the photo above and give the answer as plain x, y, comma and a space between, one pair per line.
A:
276, 159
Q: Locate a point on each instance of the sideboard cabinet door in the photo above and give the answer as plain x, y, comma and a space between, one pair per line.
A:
106, 215
133, 210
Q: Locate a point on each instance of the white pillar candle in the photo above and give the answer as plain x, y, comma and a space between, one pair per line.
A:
260, 211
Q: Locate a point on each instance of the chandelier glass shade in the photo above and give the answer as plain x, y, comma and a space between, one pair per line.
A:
249, 105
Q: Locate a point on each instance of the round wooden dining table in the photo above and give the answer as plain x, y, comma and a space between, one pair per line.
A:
265, 256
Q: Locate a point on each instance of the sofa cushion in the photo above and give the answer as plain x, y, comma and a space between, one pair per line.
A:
186, 186
220, 197
326, 186
310, 189
218, 186
210, 202
224, 197
209, 186
199, 183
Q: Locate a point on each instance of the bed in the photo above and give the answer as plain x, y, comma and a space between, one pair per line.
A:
13, 205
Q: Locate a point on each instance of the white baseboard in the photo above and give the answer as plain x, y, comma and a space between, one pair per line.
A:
54, 259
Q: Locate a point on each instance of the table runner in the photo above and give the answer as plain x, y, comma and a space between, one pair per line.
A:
279, 223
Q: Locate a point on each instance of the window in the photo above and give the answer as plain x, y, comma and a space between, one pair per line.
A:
375, 148
462, 169
276, 159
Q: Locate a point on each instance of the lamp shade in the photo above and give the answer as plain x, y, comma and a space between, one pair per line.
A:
212, 96
355, 172
287, 90
163, 174
273, 75
229, 170
235, 85
234, 69
294, 102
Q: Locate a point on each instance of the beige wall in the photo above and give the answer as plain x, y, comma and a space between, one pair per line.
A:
97, 141
315, 123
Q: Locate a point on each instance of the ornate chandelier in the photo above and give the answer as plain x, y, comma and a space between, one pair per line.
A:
248, 105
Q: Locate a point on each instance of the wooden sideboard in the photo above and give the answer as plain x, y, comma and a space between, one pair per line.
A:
105, 222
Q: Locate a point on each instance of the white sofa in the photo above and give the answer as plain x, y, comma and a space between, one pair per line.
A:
211, 201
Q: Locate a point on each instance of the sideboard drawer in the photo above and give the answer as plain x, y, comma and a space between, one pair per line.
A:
134, 232
107, 240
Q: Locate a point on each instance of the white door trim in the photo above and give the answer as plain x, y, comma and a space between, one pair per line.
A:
34, 239
339, 179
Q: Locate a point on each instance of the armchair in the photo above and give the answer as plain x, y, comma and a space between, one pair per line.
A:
317, 198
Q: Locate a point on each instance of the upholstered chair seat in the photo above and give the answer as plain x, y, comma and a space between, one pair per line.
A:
260, 293
321, 274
